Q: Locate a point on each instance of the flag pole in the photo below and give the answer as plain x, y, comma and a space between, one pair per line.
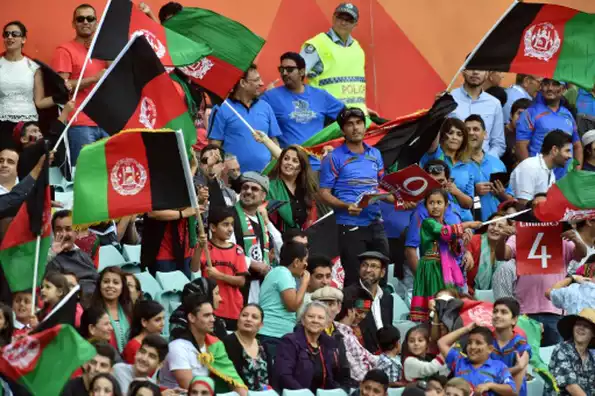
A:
63, 301
472, 54
35, 273
95, 89
239, 116
90, 51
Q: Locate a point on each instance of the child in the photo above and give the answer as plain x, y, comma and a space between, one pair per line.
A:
486, 375
228, 265
148, 358
6, 325
458, 387
417, 363
435, 385
510, 348
388, 340
25, 321
440, 245
53, 288
148, 318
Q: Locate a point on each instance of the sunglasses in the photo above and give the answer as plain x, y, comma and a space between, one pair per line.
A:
435, 169
82, 18
288, 69
13, 33
255, 189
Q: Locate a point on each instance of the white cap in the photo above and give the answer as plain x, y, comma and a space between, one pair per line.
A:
589, 137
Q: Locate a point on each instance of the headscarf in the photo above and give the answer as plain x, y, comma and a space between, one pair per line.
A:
208, 382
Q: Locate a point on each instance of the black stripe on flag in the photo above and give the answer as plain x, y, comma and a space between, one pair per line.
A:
115, 30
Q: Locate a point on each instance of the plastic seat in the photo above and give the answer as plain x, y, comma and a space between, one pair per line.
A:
297, 392
269, 392
485, 295
65, 198
131, 267
395, 391
132, 253
331, 392
400, 308
195, 275
151, 288
109, 256
56, 178
172, 281
546, 354
535, 387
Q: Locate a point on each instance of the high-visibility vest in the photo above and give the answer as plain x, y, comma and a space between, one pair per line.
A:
344, 74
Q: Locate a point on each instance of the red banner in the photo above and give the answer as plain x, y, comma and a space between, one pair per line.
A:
539, 248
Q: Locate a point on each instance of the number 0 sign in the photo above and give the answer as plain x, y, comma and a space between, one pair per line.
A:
539, 248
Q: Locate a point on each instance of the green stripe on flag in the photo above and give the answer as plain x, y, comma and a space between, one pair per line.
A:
579, 39
578, 188
184, 123
91, 167
184, 51
18, 264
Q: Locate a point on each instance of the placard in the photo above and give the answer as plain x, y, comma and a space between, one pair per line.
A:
539, 248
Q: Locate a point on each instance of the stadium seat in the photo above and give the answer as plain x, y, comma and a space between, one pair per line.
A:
172, 281
400, 308
109, 256
297, 392
195, 275
131, 267
56, 177
546, 353
132, 253
535, 387
395, 391
485, 295
65, 198
331, 392
269, 392
151, 288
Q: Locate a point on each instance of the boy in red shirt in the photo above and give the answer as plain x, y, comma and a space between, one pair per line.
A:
228, 265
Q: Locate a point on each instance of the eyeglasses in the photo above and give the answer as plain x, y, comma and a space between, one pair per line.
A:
255, 189
288, 69
373, 266
345, 17
435, 169
88, 18
13, 33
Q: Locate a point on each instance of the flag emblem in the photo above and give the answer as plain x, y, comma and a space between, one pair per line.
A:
198, 69
22, 353
154, 42
148, 113
481, 315
542, 41
128, 177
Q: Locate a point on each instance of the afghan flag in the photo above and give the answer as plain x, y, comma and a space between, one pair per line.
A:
543, 39
136, 92
572, 198
122, 19
44, 362
234, 48
220, 367
133, 172
17, 250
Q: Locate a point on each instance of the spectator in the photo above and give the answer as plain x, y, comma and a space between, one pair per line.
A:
209, 175
101, 363
583, 237
482, 372
572, 363
349, 171
546, 114
493, 80
320, 269
585, 102
471, 99
68, 62
96, 325
9, 159
305, 357
226, 129
116, 232
252, 361
147, 359
201, 386
6, 325
144, 388
104, 385
294, 184
452, 146
231, 174
227, 266
415, 357
11, 201
375, 383
54, 288
135, 288
148, 317
372, 270
525, 87
588, 152
536, 174
510, 157
67, 257
169, 10
280, 298
24, 322
573, 294
485, 165
458, 387
112, 295
389, 362
498, 93
435, 385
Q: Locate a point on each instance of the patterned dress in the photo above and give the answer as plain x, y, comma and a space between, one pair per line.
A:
568, 368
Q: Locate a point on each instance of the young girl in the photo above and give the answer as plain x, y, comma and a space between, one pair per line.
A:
53, 289
457, 387
440, 245
417, 362
22, 302
6, 325
148, 318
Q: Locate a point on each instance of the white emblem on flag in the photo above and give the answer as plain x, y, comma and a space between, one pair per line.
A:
22, 353
128, 177
157, 46
481, 315
198, 69
148, 113
542, 41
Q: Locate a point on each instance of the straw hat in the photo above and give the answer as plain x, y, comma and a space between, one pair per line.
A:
566, 324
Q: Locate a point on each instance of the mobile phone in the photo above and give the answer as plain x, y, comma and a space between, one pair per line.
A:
502, 176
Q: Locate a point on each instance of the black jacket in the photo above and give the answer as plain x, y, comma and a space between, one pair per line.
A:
235, 352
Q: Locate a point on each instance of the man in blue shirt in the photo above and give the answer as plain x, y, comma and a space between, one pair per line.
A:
347, 173
546, 114
526, 87
301, 110
227, 130
484, 165
585, 102
471, 99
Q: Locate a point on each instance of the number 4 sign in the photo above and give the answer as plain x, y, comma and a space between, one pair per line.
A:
539, 248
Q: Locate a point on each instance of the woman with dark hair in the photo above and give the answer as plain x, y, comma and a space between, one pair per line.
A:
104, 385
148, 317
6, 325
143, 388
113, 295
134, 287
96, 325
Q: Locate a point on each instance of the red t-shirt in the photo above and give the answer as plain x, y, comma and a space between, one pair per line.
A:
230, 261
130, 350
69, 58
166, 251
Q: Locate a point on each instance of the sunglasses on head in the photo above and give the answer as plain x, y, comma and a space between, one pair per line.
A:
13, 33
88, 18
435, 169
288, 69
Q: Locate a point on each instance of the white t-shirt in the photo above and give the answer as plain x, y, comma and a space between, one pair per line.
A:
124, 374
16, 90
182, 355
531, 177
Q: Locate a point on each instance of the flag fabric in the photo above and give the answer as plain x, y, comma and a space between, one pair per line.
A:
133, 172
542, 39
43, 362
220, 366
17, 250
234, 48
322, 236
138, 93
532, 329
122, 19
572, 198
53, 83
63, 313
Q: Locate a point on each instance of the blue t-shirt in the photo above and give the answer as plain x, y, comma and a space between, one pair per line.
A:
237, 139
349, 175
278, 321
585, 103
413, 238
395, 221
493, 371
507, 355
489, 165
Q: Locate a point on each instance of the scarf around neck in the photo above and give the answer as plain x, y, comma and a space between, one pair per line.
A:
485, 271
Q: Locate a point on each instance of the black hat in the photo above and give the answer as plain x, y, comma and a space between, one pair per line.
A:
348, 8
566, 324
374, 255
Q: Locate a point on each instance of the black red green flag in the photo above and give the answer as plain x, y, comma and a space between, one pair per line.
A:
542, 39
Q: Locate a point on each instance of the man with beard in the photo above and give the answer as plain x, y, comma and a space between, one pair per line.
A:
348, 172
370, 297
210, 168
544, 115
68, 62
301, 110
471, 99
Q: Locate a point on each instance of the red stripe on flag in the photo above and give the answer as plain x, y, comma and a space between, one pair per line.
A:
154, 33
19, 231
129, 179
541, 42
214, 74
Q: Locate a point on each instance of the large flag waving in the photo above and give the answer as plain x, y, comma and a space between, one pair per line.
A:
572, 198
122, 19
44, 362
234, 48
543, 39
